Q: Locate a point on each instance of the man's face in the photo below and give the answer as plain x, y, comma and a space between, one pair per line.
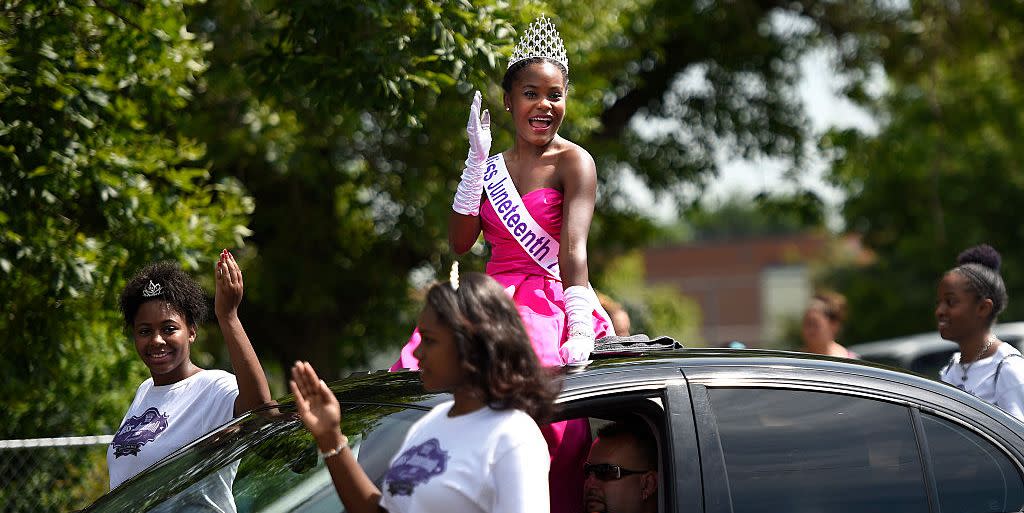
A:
633, 492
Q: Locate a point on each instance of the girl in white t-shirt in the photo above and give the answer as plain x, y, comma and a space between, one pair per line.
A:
480, 452
162, 307
970, 296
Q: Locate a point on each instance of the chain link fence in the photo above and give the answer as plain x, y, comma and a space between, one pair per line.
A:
52, 474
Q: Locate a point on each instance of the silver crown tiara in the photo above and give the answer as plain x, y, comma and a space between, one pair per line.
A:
541, 39
153, 289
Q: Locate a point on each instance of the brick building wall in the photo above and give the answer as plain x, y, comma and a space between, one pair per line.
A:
746, 288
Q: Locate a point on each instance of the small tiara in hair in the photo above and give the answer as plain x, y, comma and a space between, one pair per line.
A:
541, 39
453, 276
153, 289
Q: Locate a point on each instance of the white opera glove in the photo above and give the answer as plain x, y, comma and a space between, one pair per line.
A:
467, 196
479, 131
579, 314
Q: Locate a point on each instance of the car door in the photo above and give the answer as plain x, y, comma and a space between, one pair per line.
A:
810, 445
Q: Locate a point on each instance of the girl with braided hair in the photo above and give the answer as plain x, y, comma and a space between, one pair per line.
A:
970, 297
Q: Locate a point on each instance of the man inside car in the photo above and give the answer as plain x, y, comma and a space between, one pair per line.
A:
621, 470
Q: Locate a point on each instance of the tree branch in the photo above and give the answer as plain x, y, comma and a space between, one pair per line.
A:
127, 21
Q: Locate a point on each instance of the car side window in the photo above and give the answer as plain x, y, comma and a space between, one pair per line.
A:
645, 412
971, 474
800, 451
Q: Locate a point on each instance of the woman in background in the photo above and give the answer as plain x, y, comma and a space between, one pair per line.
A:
970, 297
823, 320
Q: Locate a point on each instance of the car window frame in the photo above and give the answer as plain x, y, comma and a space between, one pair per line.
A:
716, 494
678, 451
1008, 450
926, 454
686, 462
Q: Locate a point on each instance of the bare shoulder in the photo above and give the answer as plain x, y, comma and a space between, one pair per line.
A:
575, 163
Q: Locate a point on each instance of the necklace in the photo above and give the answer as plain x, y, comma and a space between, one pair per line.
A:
966, 366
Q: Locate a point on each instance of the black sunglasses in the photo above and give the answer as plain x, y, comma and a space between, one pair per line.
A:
608, 472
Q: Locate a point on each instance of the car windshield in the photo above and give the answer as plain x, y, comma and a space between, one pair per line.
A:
267, 461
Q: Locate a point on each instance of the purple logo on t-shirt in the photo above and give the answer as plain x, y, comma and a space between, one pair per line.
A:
137, 431
416, 466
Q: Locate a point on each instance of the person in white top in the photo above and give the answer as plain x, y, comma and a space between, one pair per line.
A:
481, 451
162, 308
970, 297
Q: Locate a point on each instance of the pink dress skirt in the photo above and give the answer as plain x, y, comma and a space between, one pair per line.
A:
540, 299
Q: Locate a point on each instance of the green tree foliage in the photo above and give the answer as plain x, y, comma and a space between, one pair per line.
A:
944, 172
675, 86
127, 130
345, 120
96, 180
763, 215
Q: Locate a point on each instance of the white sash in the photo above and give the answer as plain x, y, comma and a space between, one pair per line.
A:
507, 202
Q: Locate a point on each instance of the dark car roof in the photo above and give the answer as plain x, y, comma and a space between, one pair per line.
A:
659, 365
698, 364
693, 361
787, 369
694, 358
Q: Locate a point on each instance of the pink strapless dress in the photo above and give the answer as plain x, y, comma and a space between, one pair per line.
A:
540, 299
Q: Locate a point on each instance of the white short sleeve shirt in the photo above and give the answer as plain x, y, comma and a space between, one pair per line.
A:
1007, 392
484, 461
162, 419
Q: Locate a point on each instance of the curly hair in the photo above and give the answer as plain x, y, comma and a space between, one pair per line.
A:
494, 350
979, 265
513, 71
178, 289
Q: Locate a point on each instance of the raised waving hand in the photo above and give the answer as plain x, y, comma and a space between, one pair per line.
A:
467, 196
317, 406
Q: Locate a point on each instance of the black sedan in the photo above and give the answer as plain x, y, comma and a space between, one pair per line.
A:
739, 431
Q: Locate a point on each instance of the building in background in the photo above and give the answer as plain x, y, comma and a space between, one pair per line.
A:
749, 290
